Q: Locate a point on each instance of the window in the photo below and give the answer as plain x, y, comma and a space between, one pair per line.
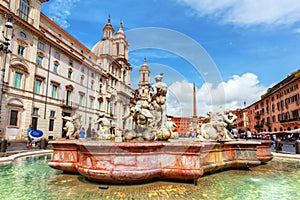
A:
70, 73
91, 102
81, 79
68, 97
18, 80
112, 69
55, 67
14, 118
21, 51
118, 49
51, 124
99, 104
23, 35
35, 111
24, 9
57, 55
92, 74
54, 91
81, 97
92, 84
71, 62
40, 61
41, 45
82, 69
51, 121
107, 103
111, 107
52, 113
37, 87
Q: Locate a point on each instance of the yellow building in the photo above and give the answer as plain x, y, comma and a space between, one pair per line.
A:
49, 74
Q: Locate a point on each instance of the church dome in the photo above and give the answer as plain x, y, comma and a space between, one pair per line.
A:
102, 47
105, 45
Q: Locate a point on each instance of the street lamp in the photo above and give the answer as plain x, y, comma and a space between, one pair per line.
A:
4, 47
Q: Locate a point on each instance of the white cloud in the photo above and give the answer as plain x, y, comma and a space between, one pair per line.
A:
248, 12
297, 30
60, 10
228, 95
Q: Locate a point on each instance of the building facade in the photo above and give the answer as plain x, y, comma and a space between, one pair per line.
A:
49, 74
277, 110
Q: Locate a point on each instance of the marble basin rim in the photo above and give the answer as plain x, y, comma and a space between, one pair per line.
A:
135, 162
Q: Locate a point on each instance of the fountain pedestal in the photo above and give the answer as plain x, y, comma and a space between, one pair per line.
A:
132, 162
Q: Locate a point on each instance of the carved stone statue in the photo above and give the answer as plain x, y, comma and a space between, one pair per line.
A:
171, 126
72, 127
214, 127
158, 99
140, 114
77, 125
104, 126
141, 117
149, 116
69, 127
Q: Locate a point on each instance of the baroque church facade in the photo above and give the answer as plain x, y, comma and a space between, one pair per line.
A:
48, 74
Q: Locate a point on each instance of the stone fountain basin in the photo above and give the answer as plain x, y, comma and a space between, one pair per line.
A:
134, 162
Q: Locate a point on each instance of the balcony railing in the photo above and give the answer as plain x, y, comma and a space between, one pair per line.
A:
69, 104
290, 120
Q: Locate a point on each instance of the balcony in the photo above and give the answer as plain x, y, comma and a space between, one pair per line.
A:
294, 119
5, 86
68, 104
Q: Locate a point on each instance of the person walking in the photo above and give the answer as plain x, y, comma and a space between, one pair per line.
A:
82, 133
248, 134
29, 139
93, 133
234, 132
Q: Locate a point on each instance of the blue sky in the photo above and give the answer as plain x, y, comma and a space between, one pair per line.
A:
251, 45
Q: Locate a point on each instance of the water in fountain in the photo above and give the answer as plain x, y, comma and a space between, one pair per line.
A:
31, 178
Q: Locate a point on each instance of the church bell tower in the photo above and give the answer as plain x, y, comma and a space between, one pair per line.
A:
144, 83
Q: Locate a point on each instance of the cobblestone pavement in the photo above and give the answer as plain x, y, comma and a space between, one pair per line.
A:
14, 147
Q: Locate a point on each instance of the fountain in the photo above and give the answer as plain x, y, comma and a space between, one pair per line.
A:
148, 152
32, 178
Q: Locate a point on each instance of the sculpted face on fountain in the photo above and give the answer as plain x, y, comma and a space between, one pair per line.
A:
214, 126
